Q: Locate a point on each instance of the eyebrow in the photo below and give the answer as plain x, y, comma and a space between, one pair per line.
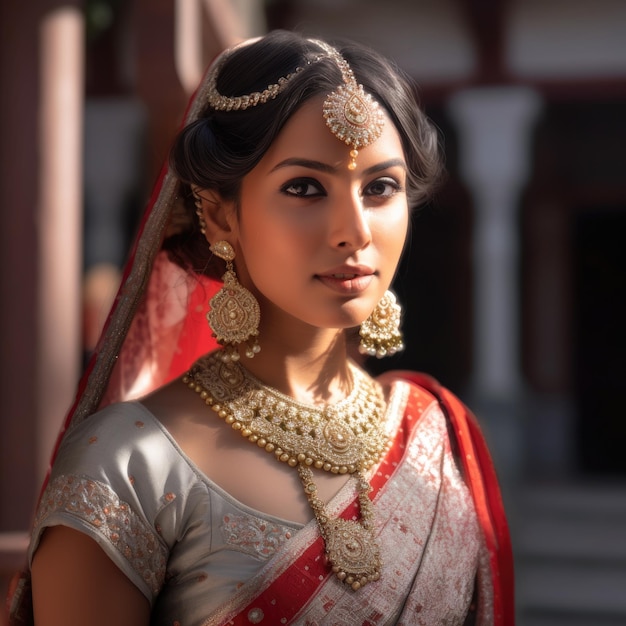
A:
329, 169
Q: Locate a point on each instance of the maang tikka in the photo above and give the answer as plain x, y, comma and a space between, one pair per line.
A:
234, 313
380, 332
351, 114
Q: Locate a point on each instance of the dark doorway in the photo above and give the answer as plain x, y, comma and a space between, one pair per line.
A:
600, 331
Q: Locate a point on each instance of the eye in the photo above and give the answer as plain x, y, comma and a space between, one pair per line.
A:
303, 188
383, 188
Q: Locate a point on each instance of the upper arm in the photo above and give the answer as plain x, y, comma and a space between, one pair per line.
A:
76, 583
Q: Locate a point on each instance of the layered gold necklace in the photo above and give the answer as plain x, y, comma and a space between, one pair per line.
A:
342, 438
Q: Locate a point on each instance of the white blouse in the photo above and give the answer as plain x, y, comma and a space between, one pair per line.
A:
182, 540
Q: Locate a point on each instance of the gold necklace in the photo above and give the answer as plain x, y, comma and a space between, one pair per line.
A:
346, 437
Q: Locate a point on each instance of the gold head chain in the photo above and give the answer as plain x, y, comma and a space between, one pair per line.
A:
351, 114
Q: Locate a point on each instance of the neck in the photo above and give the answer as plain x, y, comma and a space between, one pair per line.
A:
310, 367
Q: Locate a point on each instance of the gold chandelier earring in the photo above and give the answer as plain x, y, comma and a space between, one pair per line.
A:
234, 314
380, 332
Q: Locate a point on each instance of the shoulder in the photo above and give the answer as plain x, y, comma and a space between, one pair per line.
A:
116, 434
120, 479
464, 431
119, 415
419, 389
105, 484
428, 386
123, 454
418, 379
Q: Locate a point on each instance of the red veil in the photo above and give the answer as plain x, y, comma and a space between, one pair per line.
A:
157, 325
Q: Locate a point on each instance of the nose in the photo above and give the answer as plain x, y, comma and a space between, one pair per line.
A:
350, 226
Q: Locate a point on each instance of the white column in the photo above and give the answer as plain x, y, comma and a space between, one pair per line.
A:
230, 21
494, 126
59, 221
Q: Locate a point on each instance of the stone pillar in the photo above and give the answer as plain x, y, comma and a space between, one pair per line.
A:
59, 221
494, 126
39, 284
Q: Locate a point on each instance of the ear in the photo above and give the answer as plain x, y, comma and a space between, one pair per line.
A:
219, 215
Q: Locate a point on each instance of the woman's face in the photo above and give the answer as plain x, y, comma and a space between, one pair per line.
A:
317, 241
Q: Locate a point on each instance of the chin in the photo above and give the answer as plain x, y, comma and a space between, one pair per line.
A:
353, 318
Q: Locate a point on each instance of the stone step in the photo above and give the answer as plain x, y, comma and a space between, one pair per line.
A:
588, 499
570, 547
573, 539
578, 588
567, 619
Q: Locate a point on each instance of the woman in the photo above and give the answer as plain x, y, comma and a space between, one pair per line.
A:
271, 480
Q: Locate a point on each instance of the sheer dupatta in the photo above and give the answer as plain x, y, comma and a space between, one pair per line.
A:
155, 330
157, 325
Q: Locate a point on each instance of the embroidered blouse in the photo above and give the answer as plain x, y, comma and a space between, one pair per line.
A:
121, 479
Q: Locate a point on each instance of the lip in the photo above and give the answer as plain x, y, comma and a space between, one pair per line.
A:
347, 280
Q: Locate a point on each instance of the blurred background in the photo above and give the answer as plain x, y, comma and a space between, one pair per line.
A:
513, 287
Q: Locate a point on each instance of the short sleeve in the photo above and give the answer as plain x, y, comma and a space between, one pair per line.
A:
118, 479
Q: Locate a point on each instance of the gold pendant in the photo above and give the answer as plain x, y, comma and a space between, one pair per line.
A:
351, 547
352, 552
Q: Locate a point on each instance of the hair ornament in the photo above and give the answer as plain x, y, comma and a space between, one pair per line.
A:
351, 114
220, 102
240, 103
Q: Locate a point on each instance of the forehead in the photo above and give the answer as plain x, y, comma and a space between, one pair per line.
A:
306, 135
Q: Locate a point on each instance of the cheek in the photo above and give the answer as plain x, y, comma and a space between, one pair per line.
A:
392, 230
283, 237
274, 254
